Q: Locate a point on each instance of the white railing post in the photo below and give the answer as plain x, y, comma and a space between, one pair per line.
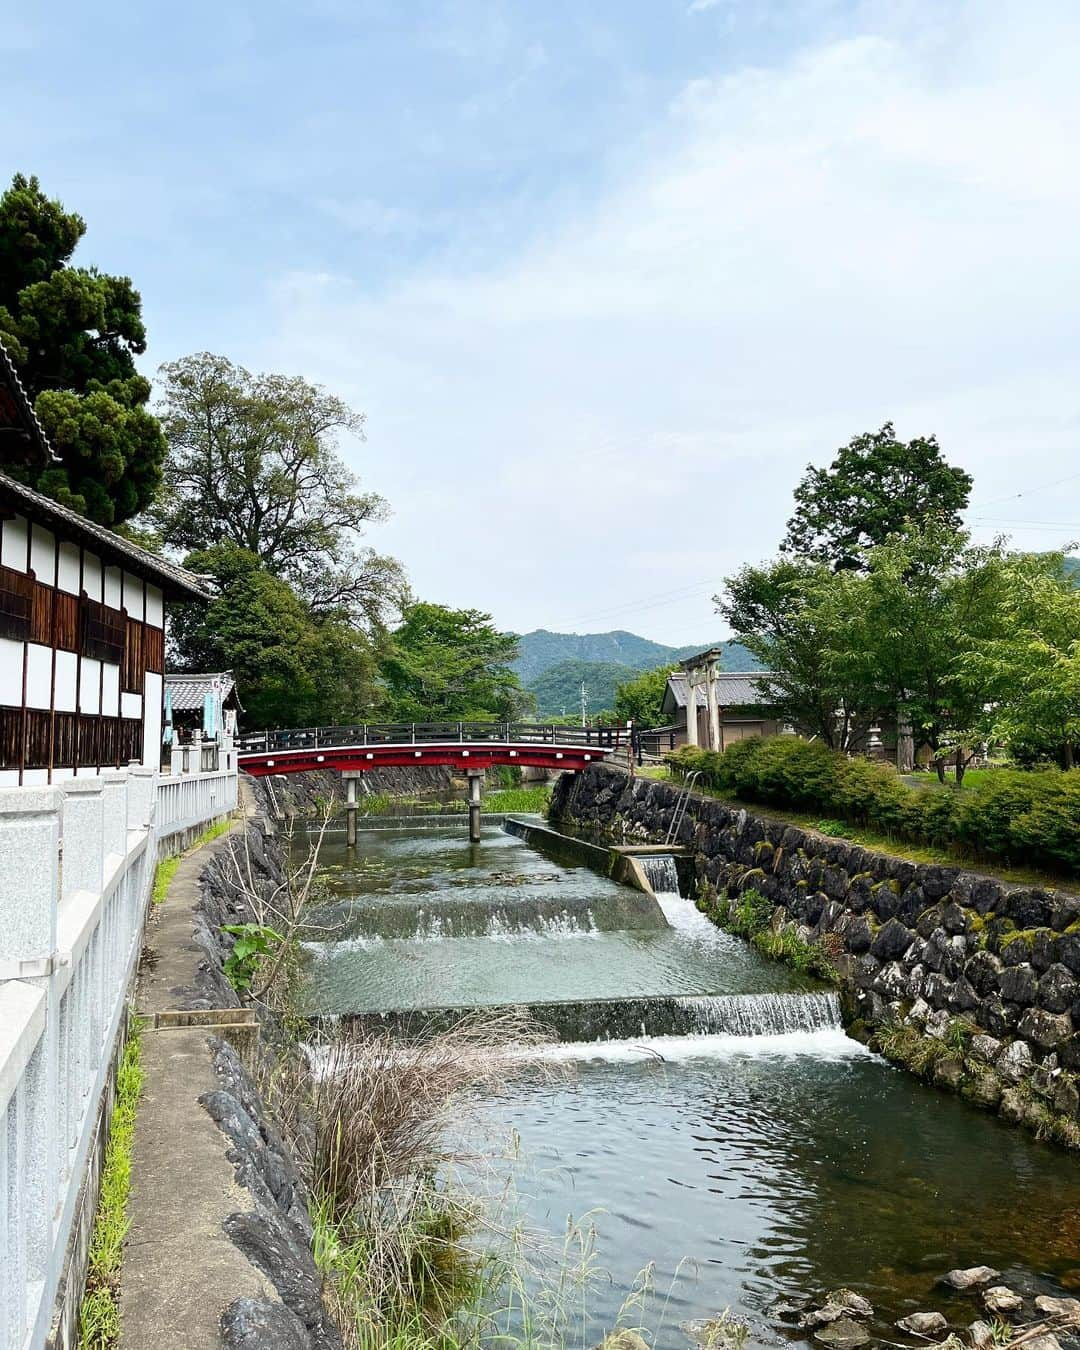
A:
141, 797
114, 825
83, 863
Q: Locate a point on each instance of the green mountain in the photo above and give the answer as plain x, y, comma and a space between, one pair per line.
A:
553, 665
558, 689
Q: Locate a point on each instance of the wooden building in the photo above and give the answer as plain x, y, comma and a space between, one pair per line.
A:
739, 704
82, 625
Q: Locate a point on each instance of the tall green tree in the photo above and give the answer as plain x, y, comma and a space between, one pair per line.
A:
799, 619
451, 664
293, 668
74, 333
253, 461
876, 487
640, 699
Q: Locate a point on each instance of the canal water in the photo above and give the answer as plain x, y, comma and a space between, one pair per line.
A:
714, 1125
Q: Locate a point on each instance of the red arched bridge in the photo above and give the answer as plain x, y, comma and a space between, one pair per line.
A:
464, 746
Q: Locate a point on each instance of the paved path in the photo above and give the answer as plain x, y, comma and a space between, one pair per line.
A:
180, 1270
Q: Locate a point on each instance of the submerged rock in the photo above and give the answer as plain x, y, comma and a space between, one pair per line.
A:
819, 1317
923, 1323
969, 1278
843, 1334
1001, 1299
851, 1302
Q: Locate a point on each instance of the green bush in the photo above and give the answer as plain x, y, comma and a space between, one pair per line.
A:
1020, 816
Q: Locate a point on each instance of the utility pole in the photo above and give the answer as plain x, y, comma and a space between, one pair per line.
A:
584, 702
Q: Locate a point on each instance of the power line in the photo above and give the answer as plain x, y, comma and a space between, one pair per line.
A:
1014, 496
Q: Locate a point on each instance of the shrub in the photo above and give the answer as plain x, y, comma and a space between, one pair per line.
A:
1016, 815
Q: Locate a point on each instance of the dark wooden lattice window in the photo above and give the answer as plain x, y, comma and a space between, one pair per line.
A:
38, 739
134, 667
16, 589
67, 621
131, 739
102, 632
64, 735
154, 645
11, 738
89, 739
109, 750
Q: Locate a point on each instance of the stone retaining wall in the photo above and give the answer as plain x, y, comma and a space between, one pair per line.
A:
970, 981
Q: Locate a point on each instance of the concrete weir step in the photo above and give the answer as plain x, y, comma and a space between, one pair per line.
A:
617, 1019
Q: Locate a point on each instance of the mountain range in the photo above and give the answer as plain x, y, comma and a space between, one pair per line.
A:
553, 666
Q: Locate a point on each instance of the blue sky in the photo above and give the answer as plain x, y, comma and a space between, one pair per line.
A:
603, 274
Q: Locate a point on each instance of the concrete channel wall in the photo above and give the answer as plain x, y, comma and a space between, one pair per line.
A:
972, 981
78, 865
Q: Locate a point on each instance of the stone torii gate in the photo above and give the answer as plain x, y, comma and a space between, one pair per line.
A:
703, 670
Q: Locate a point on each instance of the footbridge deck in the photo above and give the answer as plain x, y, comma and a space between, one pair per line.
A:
464, 746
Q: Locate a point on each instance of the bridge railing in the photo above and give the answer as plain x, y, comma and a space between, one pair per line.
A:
430, 733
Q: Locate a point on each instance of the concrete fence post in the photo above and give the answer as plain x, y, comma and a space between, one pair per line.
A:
114, 824
141, 797
30, 865
83, 866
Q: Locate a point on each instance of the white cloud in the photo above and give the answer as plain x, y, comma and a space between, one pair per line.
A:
884, 227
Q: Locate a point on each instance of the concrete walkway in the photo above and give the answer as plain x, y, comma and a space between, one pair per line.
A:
180, 1270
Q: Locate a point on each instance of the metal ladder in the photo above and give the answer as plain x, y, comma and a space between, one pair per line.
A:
680, 806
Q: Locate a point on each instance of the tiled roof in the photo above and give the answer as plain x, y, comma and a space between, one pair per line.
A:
734, 689
175, 581
20, 409
187, 691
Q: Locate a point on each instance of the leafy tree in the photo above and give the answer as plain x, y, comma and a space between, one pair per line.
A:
1029, 670
876, 487
798, 619
640, 699
73, 334
253, 462
451, 664
293, 668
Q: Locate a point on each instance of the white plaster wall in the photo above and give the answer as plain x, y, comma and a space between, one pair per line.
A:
66, 670
11, 664
68, 579
59, 775
43, 554
38, 676
13, 543
133, 597
92, 576
90, 686
35, 778
152, 721
112, 587
155, 607
130, 705
9, 778
110, 691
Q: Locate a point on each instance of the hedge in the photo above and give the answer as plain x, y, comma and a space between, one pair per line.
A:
1018, 816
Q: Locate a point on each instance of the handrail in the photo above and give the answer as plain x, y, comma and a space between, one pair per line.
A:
420, 733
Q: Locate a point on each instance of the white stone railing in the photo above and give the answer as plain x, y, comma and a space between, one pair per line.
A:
76, 868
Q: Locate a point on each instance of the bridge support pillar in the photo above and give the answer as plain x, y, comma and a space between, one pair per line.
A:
350, 812
476, 781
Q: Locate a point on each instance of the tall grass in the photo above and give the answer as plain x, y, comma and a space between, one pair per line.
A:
99, 1317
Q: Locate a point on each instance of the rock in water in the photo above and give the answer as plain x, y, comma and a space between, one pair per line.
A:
968, 1279
982, 1335
819, 1317
843, 1334
923, 1323
851, 1302
1046, 1342
624, 1340
1001, 1299
1058, 1307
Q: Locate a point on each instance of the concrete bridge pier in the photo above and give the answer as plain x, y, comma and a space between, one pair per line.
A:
476, 782
351, 808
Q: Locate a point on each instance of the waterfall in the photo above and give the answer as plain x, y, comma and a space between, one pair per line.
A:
661, 873
755, 1016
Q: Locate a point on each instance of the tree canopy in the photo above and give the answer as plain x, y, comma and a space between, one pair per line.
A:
253, 461
450, 664
640, 698
876, 487
73, 334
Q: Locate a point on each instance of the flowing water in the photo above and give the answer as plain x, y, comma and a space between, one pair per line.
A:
710, 1115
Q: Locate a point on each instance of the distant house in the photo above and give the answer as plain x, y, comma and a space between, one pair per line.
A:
741, 706
191, 697
82, 626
